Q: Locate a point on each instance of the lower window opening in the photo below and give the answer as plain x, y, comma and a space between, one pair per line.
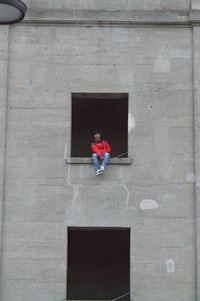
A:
98, 264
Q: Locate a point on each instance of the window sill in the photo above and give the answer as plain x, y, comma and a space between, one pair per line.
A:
78, 160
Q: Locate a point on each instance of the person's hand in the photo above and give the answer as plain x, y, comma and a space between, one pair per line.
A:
101, 158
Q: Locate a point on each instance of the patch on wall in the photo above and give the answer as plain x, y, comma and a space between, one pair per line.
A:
148, 204
170, 266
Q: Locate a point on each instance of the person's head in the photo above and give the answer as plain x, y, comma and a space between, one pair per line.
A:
97, 136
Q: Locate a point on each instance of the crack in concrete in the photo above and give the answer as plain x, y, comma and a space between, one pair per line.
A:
68, 182
128, 193
76, 189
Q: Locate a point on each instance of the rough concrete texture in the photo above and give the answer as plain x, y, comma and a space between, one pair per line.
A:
195, 4
3, 92
197, 146
111, 4
156, 196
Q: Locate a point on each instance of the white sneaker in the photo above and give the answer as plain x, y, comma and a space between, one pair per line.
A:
102, 168
99, 172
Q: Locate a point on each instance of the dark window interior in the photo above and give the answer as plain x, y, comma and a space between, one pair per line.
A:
98, 263
103, 112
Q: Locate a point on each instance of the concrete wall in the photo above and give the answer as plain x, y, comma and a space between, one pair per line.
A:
183, 5
195, 4
4, 32
55, 53
197, 145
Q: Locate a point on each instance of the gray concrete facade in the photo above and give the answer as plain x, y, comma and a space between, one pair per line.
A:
148, 49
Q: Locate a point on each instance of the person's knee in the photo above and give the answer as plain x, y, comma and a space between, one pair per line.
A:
107, 155
94, 156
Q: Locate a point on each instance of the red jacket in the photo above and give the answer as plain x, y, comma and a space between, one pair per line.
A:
101, 147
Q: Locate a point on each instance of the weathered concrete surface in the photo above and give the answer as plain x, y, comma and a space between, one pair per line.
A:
196, 38
4, 33
107, 17
48, 63
195, 4
108, 12
181, 5
154, 196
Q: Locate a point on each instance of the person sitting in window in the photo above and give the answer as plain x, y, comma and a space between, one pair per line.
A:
101, 152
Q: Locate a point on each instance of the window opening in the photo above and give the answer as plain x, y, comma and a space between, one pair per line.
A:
103, 112
98, 264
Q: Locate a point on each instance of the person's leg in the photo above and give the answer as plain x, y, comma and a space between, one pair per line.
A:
106, 156
96, 161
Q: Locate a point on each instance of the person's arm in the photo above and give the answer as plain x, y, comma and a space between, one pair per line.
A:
95, 150
107, 147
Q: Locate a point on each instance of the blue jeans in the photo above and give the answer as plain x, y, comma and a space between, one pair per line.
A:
95, 158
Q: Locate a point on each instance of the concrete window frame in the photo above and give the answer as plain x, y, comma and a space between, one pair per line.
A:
103, 112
